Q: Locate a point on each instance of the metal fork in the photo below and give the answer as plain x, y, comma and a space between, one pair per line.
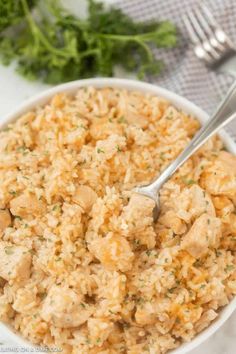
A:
211, 44
224, 114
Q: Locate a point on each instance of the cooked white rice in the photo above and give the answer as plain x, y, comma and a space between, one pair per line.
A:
82, 266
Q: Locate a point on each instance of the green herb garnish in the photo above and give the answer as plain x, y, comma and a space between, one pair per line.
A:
229, 268
122, 120
18, 217
188, 182
12, 12
9, 250
51, 44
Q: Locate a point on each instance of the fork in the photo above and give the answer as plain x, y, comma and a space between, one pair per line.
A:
224, 114
211, 44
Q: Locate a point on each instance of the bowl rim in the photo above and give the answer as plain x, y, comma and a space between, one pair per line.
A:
133, 85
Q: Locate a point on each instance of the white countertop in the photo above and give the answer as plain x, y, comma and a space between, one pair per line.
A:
13, 90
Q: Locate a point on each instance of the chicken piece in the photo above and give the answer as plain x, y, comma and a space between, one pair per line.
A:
25, 300
99, 330
223, 206
229, 161
114, 252
106, 149
205, 232
192, 202
26, 205
172, 221
5, 219
65, 308
219, 177
201, 202
85, 197
139, 212
15, 261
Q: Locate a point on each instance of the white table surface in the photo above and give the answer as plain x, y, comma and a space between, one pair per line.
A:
13, 90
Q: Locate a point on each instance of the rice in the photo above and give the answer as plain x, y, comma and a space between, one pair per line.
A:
82, 266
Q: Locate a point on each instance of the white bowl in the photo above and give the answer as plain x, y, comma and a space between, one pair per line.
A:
180, 102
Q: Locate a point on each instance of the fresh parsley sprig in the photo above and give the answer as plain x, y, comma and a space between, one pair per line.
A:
51, 44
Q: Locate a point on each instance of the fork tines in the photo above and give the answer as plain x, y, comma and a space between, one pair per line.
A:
211, 44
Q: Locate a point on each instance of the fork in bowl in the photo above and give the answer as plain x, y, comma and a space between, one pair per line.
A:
211, 44
215, 48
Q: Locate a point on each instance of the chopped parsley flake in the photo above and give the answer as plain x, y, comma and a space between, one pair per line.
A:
229, 268
122, 120
9, 250
188, 182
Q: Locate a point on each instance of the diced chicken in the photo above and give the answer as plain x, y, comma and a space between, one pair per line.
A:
85, 197
136, 221
219, 177
15, 261
25, 300
223, 205
65, 308
201, 202
139, 212
26, 205
99, 330
193, 202
181, 202
172, 221
5, 219
204, 233
114, 252
229, 161
106, 149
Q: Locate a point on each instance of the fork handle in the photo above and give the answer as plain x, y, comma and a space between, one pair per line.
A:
223, 115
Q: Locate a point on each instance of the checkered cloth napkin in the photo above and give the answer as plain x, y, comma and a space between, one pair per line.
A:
184, 73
